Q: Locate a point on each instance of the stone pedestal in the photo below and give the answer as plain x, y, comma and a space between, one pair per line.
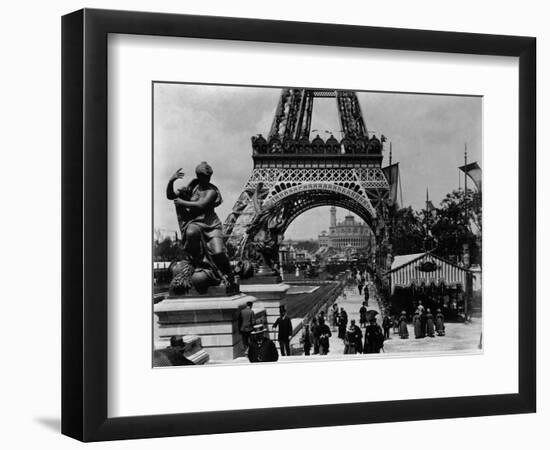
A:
269, 297
213, 319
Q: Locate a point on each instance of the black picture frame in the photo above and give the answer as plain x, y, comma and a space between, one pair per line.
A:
84, 224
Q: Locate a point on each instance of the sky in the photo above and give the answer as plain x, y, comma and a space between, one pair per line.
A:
194, 123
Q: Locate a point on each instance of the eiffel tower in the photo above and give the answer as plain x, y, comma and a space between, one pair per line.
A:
299, 174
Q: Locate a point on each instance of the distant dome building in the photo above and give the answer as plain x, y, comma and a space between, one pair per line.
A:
348, 233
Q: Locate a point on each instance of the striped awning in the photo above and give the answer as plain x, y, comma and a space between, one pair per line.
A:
425, 269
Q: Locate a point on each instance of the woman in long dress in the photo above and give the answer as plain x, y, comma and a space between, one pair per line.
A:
342, 324
439, 323
363, 315
324, 337
353, 342
417, 323
330, 316
430, 328
374, 337
403, 330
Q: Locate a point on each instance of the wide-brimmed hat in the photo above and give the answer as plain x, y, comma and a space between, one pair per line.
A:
258, 329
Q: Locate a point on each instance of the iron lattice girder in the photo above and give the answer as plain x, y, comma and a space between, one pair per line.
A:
294, 113
314, 189
368, 177
296, 204
281, 176
354, 189
324, 93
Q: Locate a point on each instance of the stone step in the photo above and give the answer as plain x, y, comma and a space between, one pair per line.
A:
193, 348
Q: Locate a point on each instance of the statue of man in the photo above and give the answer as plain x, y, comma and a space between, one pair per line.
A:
200, 226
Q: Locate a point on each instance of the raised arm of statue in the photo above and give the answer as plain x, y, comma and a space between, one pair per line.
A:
170, 193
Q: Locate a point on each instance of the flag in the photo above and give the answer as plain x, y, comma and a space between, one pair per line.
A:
392, 175
474, 172
430, 207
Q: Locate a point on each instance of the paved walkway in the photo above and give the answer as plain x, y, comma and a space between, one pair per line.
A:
459, 337
351, 301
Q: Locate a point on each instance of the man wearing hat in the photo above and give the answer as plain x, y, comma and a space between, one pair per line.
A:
353, 340
173, 355
386, 324
284, 324
246, 322
261, 349
363, 315
324, 334
374, 337
200, 226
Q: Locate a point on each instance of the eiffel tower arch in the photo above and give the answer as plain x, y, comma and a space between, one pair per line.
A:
293, 174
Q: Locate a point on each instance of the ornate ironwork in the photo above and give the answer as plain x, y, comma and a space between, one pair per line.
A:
293, 174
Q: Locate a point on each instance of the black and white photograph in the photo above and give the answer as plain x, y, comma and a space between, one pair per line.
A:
296, 224
285, 225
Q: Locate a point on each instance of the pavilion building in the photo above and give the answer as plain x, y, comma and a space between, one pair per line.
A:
345, 234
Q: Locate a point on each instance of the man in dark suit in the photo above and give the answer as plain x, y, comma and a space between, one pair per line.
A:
324, 334
386, 324
247, 320
285, 332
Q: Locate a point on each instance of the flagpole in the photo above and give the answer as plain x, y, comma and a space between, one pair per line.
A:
427, 198
400, 191
466, 293
465, 185
426, 222
392, 218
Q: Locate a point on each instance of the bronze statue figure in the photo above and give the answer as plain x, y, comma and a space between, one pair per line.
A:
205, 262
265, 234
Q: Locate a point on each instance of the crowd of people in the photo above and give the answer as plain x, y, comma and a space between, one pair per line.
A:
366, 337
316, 334
424, 323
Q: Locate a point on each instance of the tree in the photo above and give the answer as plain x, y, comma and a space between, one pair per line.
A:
407, 232
451, 228
308, 245
166, 250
